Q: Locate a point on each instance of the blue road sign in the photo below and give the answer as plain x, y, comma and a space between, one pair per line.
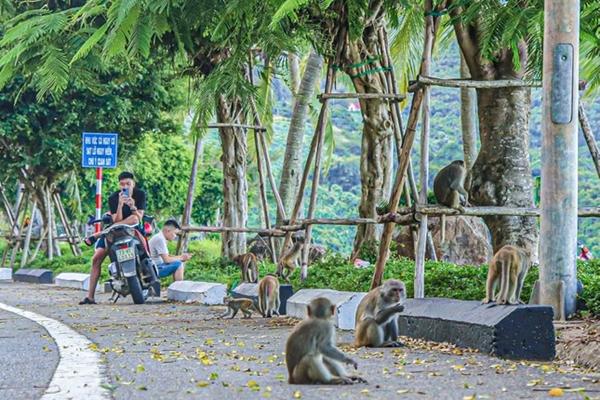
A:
99, 150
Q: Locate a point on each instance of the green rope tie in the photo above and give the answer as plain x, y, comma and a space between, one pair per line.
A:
371, 71
369, 60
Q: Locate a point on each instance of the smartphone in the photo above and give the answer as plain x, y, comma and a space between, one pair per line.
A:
126, 192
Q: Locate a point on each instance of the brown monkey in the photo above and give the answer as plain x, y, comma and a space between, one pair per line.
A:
508, 267
235, 305
376, 321
249, 266
268, 296
289, 261
448, 187
311, 354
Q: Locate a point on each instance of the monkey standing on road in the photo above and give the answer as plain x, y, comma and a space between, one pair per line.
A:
235, 305
448, 187
268, 296
376, 321
509, 266
249, 265
311, 354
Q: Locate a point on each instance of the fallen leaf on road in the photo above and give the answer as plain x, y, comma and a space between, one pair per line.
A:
140, 368
297, 394
556, 392
202, 384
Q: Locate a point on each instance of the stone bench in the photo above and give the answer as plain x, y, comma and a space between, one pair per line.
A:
201, 292
514, 332
250, 291
74, 280
33, 275
346, 304
5, 274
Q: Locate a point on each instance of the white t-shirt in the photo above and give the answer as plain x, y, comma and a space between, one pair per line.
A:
158, 247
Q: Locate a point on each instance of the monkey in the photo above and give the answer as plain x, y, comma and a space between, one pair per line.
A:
316, 253
235, 305
268, 296
376, 322
249, 266
448, 187
508, 267
311, 354
289, 261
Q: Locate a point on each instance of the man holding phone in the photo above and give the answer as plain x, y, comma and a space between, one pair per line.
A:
127, 206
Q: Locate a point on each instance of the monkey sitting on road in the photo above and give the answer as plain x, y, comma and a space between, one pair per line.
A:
448, 187
376, 316
508, 267
235, 305
311, 354
289, 261
268, 296
249, 265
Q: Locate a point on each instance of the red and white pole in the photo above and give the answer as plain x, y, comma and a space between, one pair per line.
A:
98, 198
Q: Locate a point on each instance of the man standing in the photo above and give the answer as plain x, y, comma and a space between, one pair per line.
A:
126, 207
167, 264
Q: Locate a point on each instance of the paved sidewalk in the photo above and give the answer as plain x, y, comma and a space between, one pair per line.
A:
179, 351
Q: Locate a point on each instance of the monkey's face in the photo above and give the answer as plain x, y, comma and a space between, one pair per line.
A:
393, 292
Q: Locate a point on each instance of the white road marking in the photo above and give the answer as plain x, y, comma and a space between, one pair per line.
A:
78, 374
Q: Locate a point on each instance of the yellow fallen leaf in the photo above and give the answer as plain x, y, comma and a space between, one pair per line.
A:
458, 367
140, 368
365, 391
534, 382
556, 392
202, 384
402, 391
252, 384
209, 342
473, 397
297, 394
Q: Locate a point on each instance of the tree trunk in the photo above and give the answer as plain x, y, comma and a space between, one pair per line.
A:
292, 163
235, 186
182, 243
468, 118
294, 66
376, 147
501, 175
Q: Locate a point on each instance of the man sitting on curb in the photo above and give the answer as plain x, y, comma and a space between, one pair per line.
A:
167, 264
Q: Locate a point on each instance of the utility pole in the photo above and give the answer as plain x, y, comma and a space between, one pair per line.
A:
558, 243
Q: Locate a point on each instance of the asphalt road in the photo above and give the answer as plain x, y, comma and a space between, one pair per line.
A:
181, 351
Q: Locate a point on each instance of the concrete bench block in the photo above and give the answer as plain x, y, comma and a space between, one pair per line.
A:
250, 291
33, 275
514, 332
5, 274
74, 280
346, 304
202, 292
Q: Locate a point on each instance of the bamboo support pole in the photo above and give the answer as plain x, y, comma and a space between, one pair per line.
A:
274, 188
9, 212
419, 280
424, 80
19, 228
589, 137
263, 195
39, 245
72, 238
49, 224
182, 241
320, 132
392, 97
410, 186
386, 238
233, 125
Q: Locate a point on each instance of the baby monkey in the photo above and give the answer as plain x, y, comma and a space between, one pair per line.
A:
289, 261
311, 354
235, 305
